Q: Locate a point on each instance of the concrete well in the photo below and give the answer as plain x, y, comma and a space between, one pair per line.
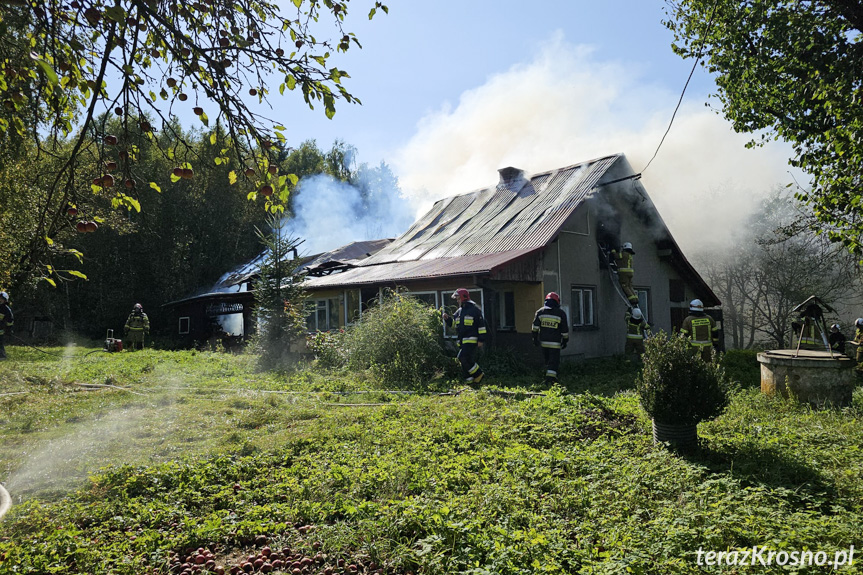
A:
811, 376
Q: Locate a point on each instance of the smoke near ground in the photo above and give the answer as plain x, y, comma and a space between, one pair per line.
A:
566, 106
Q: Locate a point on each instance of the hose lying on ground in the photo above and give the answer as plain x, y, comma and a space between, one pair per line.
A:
5, 501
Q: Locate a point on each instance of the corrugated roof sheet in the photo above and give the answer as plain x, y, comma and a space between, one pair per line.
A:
497, 219
394, 272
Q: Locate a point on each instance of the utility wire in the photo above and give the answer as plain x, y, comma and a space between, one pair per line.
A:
691, 72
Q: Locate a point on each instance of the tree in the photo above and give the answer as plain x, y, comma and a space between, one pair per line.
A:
65, 68
790, 71
279, 298
771, 266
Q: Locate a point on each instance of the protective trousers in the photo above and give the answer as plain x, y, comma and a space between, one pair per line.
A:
470, 369
551, 355
625, 279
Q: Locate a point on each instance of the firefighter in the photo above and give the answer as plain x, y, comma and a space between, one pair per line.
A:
551, 332
805, 326
623, 263
858, 339
6, 322
836, 338
700, 329
471, 332
137, 326
636, 329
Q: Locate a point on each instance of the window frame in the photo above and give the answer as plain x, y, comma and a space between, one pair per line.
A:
188, 321
579, 302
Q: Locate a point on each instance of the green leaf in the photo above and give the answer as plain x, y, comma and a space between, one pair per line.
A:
77, 274
49, 72
232, 177
49, 241
205, 120
50, 281
213, 139
156, 187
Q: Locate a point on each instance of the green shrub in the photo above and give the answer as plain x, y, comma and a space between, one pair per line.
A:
400, 341
329, 348
676, 386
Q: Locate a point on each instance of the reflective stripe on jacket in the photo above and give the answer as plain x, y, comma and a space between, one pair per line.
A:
551, 326
701, 330
635, 329
138, 322
470, 325
623, 261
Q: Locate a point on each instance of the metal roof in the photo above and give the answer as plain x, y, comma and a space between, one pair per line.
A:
396, 272
518, 214
478, 232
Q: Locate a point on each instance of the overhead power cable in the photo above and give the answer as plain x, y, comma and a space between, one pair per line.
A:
691, 72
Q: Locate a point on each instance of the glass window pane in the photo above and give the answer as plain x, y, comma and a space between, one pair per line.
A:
588, 307
353, 305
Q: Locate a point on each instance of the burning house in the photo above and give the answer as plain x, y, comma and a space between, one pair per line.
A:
225, 312
514, 241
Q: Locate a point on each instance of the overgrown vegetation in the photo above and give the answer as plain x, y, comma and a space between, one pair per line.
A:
476, 482
399, 342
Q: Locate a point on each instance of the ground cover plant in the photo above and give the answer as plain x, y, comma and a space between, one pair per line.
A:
217, 462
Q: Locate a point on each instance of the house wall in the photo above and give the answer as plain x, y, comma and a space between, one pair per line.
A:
573, 259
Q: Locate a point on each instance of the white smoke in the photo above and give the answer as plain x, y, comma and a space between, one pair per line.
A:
567, 106
329, 213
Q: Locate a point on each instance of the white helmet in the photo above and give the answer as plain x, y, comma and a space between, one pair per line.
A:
859, 322
696, 305
636, 314
835, 326
628, 246
4, 295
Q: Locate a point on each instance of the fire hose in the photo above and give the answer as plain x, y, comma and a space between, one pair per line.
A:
5, 501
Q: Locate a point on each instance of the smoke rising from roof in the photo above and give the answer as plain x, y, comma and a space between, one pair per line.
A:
566, 106
329, 213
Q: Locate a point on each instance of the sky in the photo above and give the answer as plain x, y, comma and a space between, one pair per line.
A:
452, 91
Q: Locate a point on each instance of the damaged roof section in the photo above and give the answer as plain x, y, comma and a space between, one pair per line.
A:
516, 214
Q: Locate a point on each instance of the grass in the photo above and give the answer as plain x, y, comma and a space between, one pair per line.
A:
209, 454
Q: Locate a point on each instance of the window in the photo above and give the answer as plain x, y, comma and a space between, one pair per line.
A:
676, 290
644, 302
507, 310
322, 314
427, 297
353, 309
450, 306
184, 325
582, 306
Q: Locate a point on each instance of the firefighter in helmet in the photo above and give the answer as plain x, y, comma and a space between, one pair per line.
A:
625, 272
700, 329
636, 329
551, 332
836, 339
137, 326
471, 333
7, 320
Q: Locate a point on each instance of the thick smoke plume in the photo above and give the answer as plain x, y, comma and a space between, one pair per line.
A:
567, 106
329, 213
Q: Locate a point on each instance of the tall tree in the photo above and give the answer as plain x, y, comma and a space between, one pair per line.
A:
790, 70
769, 268
68, 66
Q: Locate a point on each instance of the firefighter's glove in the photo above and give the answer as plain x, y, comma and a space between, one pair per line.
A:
563, 344
536, 341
